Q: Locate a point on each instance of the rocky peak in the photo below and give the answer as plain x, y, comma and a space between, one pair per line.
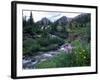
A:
62, 21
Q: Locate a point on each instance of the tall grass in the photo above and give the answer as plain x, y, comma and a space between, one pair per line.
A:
80, 56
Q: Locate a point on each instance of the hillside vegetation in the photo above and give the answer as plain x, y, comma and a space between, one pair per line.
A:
44, 36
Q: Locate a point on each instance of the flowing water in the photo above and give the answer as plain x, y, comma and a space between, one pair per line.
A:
30, 62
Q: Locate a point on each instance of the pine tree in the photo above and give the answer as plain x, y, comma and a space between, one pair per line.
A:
24, 21
31, 19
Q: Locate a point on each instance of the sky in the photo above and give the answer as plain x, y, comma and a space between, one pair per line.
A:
52, 16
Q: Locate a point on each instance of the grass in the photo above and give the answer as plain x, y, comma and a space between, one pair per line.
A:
80, 56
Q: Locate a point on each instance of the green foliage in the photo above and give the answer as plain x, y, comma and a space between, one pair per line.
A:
81, 30
53, 35
49, 43
58, 61
79, 57
30, 47
82, 53
61, 60
56, 40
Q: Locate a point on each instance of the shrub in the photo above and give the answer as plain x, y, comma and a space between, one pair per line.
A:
56, 40
43, 41
80, 56
30, 46
82, 53
61, 60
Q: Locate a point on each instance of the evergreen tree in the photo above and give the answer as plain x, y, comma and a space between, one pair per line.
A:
31, 19
24, 21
